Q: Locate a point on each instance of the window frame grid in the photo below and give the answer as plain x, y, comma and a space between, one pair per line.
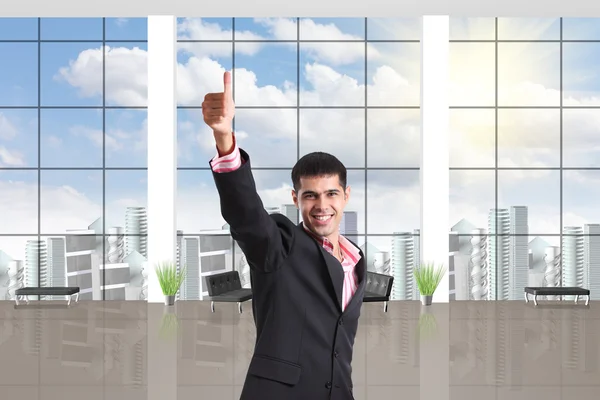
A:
366, 107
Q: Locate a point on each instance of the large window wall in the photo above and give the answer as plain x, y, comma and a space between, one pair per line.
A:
73, 155
348, 86
524, 159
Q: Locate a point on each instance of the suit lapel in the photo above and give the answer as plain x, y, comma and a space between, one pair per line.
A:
336, 273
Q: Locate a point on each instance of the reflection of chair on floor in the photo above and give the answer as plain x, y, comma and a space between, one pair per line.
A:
226, 288
68, 291
378, 289
556, 291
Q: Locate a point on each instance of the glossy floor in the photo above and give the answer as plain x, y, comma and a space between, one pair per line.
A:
462, 350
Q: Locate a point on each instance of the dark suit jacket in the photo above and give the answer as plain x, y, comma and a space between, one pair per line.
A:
304, 341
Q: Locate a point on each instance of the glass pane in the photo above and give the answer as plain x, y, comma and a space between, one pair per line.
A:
126, 28
18, 202
528, 28
472, 138
71, 74
472, 74
471, 28
19, 75
343, 135
529, 138
12, 28
204, 28
126, 138
332, 29
580, 191
268, 135
528, 74
393, 74
71, 138
581, 28
581, 80
266, 76
472, 196
393, 138
332, 74
126, 74
71, 200
393, 202
18, 138
395, 28
531, 199
71, 29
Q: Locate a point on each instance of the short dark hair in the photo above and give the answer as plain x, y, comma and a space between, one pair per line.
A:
318, 164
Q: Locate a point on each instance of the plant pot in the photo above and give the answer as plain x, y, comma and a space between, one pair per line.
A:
169, 300
426, 299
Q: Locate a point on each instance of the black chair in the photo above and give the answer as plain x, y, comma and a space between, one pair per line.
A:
536, 291
226, 288
68, 292
378, 288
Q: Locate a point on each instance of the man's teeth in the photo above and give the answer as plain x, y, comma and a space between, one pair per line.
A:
322, 217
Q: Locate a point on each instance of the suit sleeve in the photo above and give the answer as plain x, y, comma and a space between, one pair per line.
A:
265, 240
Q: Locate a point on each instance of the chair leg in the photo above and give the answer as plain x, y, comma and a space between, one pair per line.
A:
385, 306
576, 298
212, 306
587, 299
526, 298
535, 300
240, 307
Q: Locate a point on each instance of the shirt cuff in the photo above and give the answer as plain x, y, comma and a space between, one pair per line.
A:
228, 162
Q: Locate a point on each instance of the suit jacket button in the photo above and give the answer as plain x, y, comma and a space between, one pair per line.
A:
335, 354
328, 385
341, 321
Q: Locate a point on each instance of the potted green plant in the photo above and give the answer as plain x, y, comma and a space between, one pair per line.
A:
170, 280
428, 277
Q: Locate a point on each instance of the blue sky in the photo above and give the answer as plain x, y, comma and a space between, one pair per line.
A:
331, 74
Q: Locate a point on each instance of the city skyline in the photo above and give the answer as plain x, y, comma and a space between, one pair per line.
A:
517, 136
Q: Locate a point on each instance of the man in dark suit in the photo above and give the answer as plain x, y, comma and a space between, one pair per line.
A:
308, 281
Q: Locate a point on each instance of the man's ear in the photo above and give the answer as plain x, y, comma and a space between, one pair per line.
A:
295, 198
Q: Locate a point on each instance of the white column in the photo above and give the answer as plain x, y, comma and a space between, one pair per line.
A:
434, 147
434, 351
162, 146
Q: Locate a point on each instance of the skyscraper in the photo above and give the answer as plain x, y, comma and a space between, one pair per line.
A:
519, 251
591, 259
499, 254
290, 211
349, 226
136, 230
57, 263
36, 259
402, 266
573, 263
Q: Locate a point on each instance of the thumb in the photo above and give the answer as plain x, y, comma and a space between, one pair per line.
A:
227, 83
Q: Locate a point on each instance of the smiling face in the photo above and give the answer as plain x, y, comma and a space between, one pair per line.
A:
321, 201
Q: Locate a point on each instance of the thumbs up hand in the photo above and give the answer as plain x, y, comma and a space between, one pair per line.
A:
218, 109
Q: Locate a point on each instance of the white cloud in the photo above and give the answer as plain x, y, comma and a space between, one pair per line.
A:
11, 158
126, 74
7, 130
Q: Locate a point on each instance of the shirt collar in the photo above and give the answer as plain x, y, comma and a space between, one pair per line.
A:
348, 249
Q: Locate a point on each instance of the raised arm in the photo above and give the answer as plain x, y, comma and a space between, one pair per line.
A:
265, 240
